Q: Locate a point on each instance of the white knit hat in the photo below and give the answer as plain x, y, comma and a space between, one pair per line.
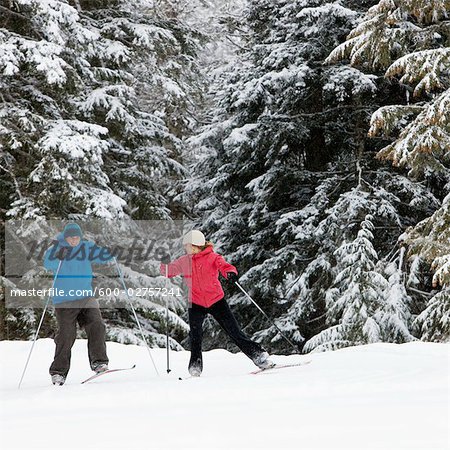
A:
194, 237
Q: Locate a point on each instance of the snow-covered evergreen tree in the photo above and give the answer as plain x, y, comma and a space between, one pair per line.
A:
430, 240
354, 302
395, 316
409, 40
94, 110
434, 321
287, 174
95, 141
258, 146
329, 222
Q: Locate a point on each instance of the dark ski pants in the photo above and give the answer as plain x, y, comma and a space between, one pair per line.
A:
225, 318
87, 313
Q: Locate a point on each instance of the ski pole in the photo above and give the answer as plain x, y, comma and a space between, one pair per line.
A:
266, 316
134, 313
40, 322
167, 325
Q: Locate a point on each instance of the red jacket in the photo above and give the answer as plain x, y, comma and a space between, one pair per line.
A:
201, 275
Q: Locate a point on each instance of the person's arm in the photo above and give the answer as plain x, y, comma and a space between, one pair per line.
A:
224, 267
174, 268
99, 255
51, 261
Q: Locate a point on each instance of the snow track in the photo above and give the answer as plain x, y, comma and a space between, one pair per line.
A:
381, 396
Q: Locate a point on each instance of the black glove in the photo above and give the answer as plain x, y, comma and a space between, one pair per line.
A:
232, 277
62, 253
165, 259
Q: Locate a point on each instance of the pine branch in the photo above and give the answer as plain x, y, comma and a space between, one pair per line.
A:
16, 184
245, 49
418, 291
317, 318
321, 113
21, 16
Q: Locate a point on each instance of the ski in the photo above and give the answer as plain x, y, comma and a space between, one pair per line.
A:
279, 366
93, 377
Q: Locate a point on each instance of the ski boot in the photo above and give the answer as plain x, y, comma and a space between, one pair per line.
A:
58, 380
263, 361
195, 367
99, 367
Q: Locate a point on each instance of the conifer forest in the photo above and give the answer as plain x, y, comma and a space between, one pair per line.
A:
309, 140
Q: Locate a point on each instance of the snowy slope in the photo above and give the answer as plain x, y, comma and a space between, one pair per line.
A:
377, 396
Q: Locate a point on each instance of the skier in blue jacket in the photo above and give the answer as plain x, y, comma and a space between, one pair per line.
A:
74, 301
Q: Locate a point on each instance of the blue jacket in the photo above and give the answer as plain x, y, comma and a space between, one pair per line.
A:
75, 275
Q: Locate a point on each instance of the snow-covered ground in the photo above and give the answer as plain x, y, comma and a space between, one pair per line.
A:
376, 396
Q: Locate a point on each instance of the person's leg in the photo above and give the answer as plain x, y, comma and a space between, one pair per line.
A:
90, 319
64, 339
197, 315
224, 316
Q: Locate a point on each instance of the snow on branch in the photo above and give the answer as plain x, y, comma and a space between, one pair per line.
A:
430, 69
423, 146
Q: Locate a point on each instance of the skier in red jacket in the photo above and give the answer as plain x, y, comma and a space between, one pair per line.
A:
200, 268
